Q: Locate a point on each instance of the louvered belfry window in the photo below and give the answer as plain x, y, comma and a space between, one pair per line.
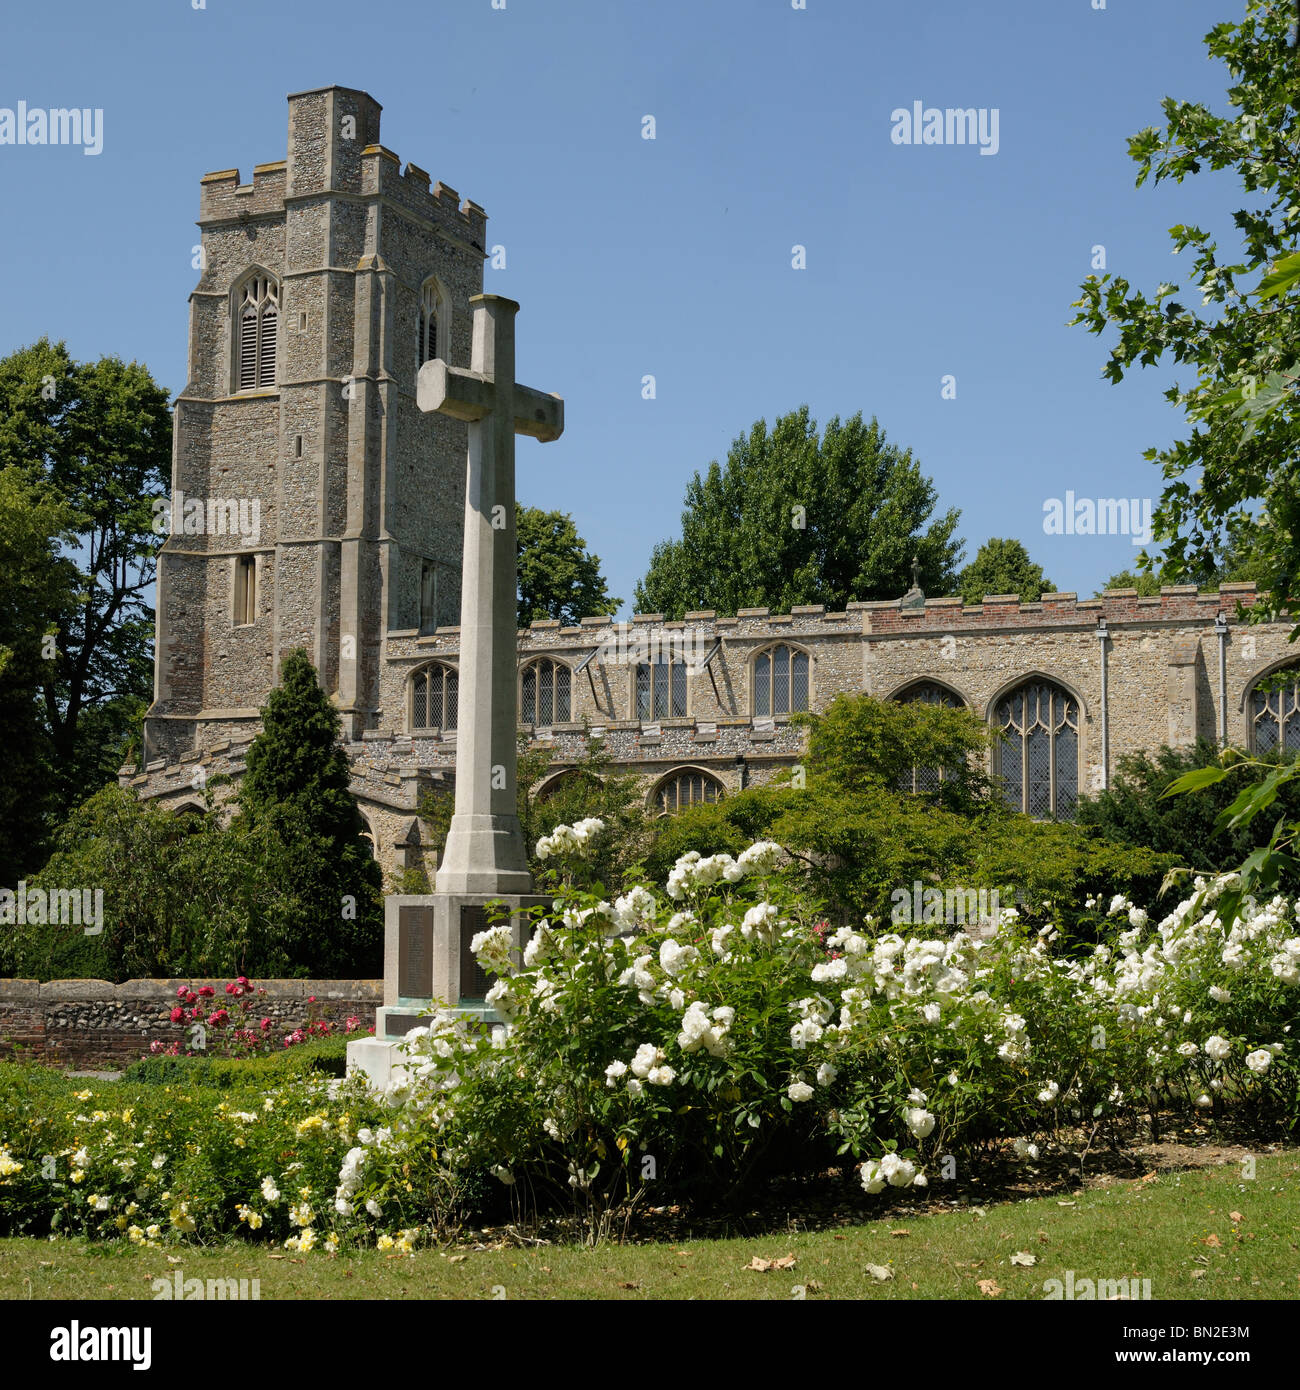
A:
259, 317
430, 303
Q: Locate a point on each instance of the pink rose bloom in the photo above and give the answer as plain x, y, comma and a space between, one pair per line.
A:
177, 1014
206, 992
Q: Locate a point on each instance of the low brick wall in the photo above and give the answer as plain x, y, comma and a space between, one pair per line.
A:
93, 1024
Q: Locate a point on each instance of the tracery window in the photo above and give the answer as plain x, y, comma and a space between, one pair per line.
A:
545, 694
1038, 760
433, 697
661, 689
688, 788
1275, 714
926, 779
780, 681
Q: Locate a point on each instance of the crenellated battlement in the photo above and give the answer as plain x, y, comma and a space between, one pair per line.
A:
410, 188
334, 148
998, 612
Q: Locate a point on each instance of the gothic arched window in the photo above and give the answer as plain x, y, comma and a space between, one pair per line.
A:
1275, 713
433, 324
661, 689
780, 680
689, 787
544, 693
926, 779
1038, 759
433, 697
257, 320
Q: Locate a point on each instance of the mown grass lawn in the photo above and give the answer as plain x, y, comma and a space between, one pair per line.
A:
1195, 1233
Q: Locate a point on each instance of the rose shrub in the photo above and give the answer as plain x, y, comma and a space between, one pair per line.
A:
156, 1163
691, 1042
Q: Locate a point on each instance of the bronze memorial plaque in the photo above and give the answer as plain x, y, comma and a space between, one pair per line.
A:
474, 980
415, 952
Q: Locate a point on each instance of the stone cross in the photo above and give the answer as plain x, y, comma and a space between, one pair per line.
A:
485, 851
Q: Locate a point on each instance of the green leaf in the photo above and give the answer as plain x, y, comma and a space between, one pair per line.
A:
1285, 273
1194, 780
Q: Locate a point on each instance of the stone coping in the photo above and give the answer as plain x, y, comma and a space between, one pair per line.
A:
91, 991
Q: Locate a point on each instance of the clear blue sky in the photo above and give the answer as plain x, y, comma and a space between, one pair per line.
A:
673, 257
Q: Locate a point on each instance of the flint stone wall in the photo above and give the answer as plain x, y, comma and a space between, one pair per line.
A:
92, 1023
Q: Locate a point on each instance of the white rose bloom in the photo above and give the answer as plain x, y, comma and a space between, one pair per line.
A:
898, 1172
826, 1073
829, 970
1220, 996
1137, 917
1258, 1061
661, 1076
1217, 1047
799, 1090
634, 1087
1203, 1102
1024, 1149
1049, 1093
760, 857
760, 920
674, 957
873, 1180
615, 1072
647, 1056
920, 1122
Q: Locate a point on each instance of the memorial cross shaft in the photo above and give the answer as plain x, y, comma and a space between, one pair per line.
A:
485, 851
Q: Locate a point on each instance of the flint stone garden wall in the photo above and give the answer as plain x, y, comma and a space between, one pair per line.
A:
87, 1024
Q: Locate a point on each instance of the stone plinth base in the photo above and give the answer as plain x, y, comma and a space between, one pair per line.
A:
428, 962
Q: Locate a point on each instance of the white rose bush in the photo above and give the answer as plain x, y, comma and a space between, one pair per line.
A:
689, 1042
692, 1041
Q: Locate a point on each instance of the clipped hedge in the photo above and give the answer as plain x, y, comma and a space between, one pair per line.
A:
320, 1057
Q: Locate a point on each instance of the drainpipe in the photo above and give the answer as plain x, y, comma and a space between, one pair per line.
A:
1221, 632
1103, 635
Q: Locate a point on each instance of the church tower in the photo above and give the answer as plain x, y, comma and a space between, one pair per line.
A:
313, 504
